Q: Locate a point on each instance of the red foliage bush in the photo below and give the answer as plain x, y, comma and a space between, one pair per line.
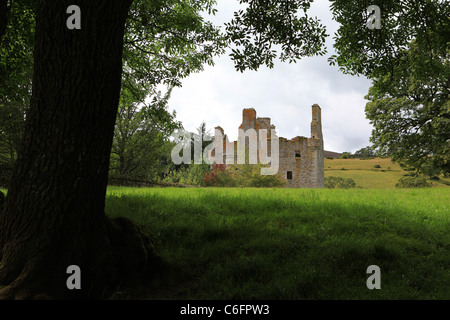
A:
212, 178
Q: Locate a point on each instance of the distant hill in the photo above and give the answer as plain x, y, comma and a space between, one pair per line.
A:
372, 173
331, 154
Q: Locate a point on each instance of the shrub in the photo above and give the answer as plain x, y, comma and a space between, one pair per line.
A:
409, 174
367, 158
345, 155
412, 182
219, 177
377, 166
339, 183
267, 181
248, 175
241, 175
192, 175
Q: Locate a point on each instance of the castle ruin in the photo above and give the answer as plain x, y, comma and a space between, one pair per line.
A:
301, 161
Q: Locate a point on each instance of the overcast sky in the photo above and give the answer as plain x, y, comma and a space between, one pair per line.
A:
285, 94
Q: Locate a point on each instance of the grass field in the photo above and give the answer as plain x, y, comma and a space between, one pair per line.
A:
234, 243
364, 173
293, 243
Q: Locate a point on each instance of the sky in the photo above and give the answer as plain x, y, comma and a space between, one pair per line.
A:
285, 93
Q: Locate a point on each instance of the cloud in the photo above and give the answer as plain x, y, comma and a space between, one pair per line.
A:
285, 94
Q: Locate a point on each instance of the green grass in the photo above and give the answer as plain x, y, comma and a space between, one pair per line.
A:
293, 243
366, 176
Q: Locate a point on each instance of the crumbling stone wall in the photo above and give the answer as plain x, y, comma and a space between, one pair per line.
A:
301, 161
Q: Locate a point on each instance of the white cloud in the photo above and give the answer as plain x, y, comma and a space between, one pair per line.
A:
285, 94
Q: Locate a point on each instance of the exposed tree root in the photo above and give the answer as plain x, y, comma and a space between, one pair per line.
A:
118, 255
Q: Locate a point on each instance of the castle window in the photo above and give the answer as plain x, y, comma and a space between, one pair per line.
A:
289, 175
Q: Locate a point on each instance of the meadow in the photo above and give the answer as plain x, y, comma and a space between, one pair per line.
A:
230, 243
277, 243
372, 173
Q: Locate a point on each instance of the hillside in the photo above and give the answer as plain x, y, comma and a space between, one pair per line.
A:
331, 154
364, 173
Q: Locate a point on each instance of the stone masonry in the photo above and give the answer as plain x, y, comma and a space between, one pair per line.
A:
301, 161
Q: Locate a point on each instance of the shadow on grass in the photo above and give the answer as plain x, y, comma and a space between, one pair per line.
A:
269, 248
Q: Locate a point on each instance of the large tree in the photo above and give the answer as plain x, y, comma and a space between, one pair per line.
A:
410, 112
140, 135
407, 59
54, 213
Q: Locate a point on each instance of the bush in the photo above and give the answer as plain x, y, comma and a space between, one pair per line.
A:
368, 158
412, 182
339, 183
345, 155
241, 175
266, 181
192, 175
409, 174
249, 175
377, 166
219, 177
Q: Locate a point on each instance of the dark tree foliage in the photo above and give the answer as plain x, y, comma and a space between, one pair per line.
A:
140, 136
375, 52
411, 116
407, 60
3, 17
16, 53
367, 152
267, 23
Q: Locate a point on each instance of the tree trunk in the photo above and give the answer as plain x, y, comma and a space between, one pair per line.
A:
54, 211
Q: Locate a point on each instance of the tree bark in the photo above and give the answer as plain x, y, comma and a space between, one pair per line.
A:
2, 200
54, 212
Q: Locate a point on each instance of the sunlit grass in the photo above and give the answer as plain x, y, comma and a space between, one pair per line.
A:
378, 173
293, 243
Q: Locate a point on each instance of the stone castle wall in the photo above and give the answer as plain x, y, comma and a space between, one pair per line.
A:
301, 161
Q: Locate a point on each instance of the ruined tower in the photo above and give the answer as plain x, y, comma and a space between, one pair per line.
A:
316, 177
301, 162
